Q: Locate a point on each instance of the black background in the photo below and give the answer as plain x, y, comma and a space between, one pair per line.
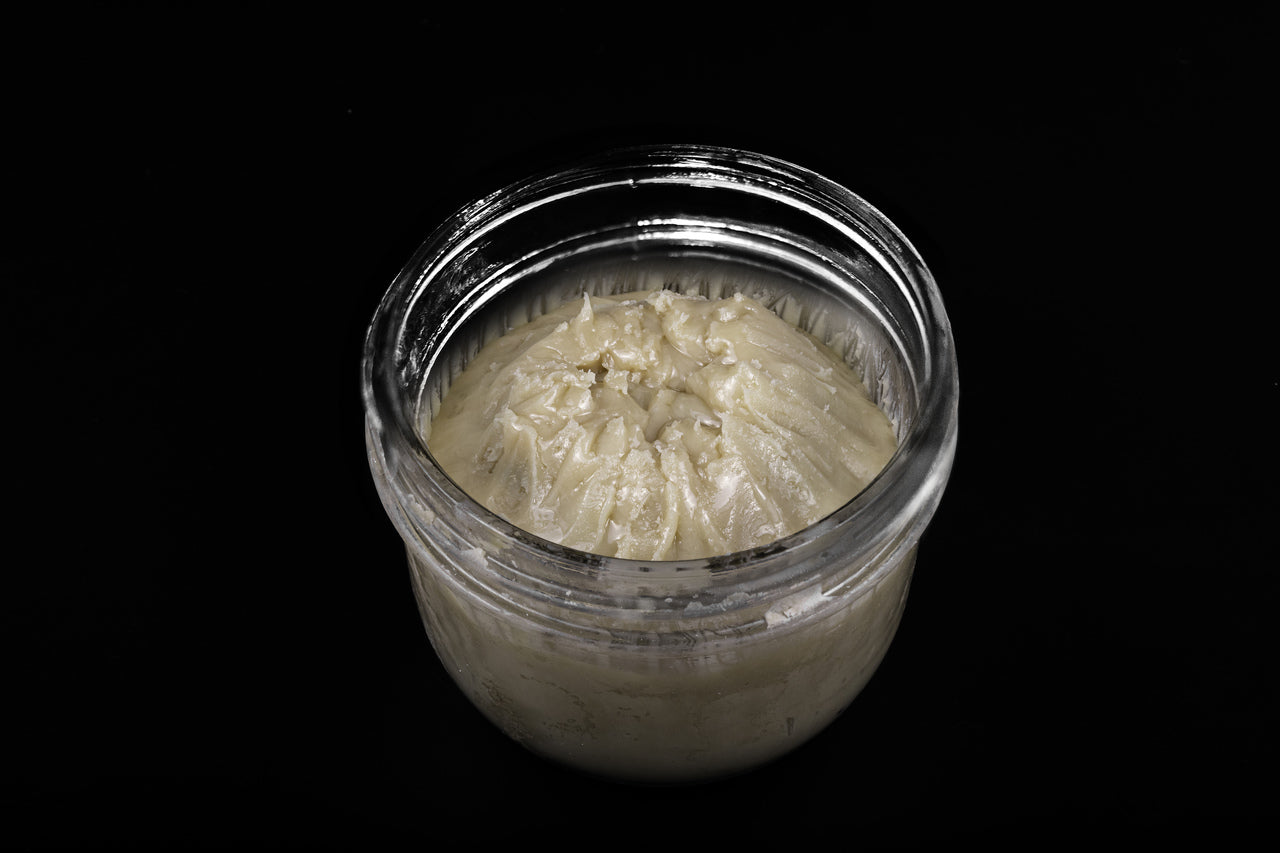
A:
211, 639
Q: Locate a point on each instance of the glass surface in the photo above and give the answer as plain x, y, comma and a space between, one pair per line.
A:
663, 671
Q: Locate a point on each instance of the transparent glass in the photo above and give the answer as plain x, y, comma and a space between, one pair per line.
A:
663, 671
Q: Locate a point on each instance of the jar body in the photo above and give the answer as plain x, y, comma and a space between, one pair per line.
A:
666, 671
657, 714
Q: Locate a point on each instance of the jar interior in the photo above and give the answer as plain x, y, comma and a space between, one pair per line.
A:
845, 302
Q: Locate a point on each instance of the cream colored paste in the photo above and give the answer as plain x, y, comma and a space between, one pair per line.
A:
658, 426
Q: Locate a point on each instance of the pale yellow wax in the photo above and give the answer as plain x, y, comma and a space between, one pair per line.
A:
659, 426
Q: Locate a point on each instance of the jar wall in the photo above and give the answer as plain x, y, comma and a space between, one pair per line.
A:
658, 714
604, 664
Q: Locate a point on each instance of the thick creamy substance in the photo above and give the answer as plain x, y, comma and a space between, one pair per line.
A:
661, 713
657, 426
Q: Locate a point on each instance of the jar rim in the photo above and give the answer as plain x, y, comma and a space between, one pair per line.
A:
889, 514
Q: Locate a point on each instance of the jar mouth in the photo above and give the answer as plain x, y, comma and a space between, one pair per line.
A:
820, 229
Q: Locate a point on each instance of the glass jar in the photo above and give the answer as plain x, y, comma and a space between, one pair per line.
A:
666, 671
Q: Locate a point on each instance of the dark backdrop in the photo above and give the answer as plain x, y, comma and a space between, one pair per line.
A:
210, 633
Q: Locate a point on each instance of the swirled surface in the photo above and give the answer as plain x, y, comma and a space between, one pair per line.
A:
657, 426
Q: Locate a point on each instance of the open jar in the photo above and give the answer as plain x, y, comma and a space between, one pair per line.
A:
663, 671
